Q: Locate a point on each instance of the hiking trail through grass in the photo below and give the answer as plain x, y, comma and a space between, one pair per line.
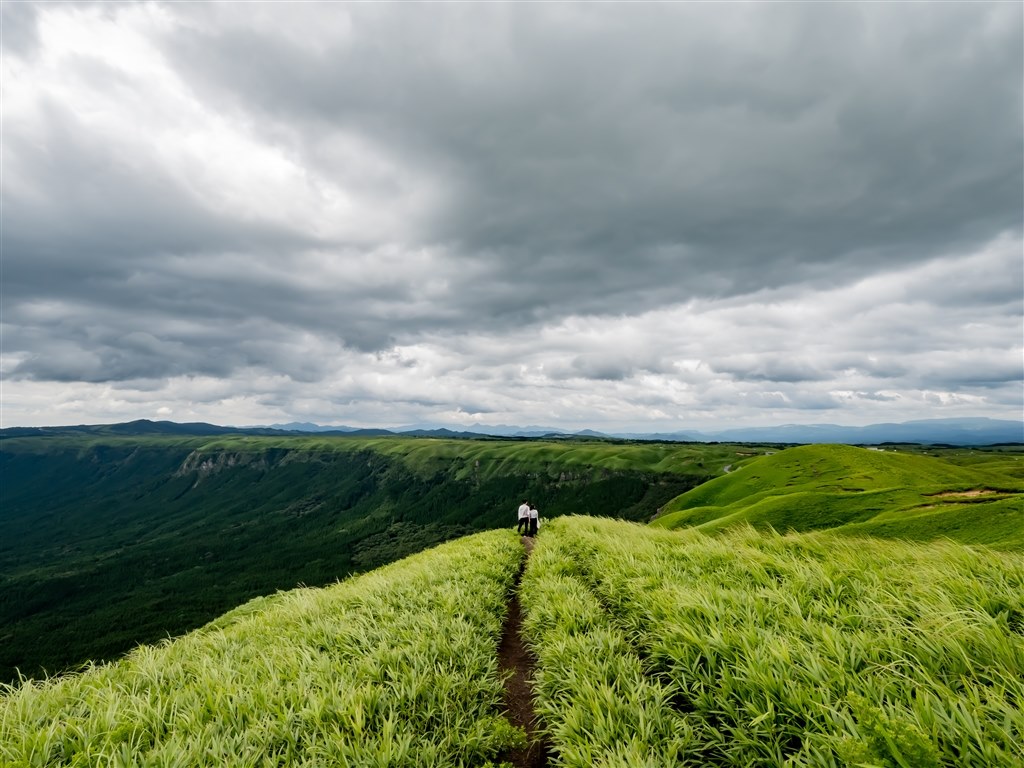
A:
514, 657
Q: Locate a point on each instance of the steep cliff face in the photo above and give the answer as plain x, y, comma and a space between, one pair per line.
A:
203, 463
206, 463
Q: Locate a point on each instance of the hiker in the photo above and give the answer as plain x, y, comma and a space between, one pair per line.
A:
523, 526
534, 521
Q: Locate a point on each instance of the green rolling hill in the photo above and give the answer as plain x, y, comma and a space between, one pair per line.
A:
111, 539
969, 496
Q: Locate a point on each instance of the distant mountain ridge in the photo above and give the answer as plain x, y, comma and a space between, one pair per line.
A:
967, 431
962, 431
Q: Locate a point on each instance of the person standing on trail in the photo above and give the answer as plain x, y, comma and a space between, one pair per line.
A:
523, 526
534, 521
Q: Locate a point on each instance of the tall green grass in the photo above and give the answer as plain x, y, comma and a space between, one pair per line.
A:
751, 648
597, 703
393, 668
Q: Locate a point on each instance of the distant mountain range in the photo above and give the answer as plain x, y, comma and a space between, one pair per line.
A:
965, 431
975, 431
968, 431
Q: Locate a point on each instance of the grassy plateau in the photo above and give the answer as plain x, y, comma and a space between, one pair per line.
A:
654, 648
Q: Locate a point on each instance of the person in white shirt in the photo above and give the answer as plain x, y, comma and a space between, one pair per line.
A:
534, 521
523, 526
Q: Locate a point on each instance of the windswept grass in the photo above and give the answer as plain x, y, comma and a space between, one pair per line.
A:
393, 668
751, 648
596, 701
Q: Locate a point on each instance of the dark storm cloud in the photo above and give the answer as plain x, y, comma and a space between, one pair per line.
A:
417, 201
88, 209
604, 156
18, 32
781, 369
969, 371
93, 345
608, 368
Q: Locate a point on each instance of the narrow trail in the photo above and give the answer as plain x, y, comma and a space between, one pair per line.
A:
513, 656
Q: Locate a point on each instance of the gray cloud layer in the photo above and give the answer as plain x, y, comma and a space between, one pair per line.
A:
341, 198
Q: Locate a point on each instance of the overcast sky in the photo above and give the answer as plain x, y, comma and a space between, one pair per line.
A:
636, 216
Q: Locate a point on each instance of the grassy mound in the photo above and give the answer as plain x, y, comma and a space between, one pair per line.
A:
396, 667
751, 648
861, 491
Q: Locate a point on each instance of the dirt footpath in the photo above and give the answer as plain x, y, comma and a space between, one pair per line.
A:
514, 657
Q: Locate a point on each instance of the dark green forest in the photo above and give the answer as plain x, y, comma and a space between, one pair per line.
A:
112, 542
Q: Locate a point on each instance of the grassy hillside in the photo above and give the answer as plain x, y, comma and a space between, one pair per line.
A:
972, 496
750, 648
113, 540
396, 667
653, 648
